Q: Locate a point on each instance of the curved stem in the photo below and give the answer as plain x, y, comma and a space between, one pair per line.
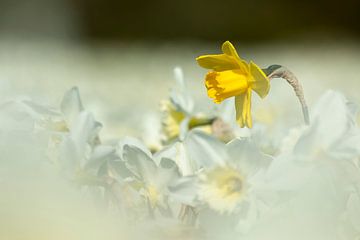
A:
277, 71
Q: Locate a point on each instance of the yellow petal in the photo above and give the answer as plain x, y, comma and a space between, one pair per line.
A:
230, 50
219, 62
243, 109
239, 107
259, 82
248, 118
229, 60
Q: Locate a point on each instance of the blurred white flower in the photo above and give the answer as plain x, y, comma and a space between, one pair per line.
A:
177, 111
332, 131
230, 179
178, 116
81, 132
153, 179
151, 132
180, 96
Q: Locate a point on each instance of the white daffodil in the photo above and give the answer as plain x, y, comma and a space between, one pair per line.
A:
178, 115
177, 111
312, 206
333, 130
75, 148
70, 139
266, 132
330, 145
93, 165
153, 179
81, 132
314, 174
229, 181
57, 120
181, 152
100, 168
72, 130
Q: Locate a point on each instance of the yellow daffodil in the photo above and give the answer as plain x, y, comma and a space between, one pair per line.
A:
232, 76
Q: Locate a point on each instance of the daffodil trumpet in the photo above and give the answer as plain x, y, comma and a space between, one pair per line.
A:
278, 71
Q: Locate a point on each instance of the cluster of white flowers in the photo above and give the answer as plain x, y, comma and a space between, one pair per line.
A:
206, 178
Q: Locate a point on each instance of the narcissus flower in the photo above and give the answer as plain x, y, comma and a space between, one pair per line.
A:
229, 177
177, 113
222, 188
232, 76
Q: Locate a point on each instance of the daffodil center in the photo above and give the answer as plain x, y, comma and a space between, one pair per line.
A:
153, 195
228, 181
222, 188
232, 185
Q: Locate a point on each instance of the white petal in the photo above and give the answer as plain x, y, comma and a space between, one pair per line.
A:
101, 154
204, 149
71, 105
330, 117
70, 158
347, 148
139, 162
85, 129
180, 95
246, 155
131, 141
184, 128
184, 190
285, 174
178, 154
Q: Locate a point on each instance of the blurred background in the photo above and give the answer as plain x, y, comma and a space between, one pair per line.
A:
111, 20
121, 53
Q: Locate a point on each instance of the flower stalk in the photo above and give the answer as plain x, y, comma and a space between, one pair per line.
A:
278, 71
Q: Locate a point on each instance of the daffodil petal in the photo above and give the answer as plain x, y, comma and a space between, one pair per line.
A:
248, 118
243, 109
71, 106
259, 82
218, 62
205, 150
230, 50
239, 108
140, 163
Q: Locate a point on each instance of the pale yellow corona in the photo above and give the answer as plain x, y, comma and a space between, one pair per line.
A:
153, 195
171, 120
222, 188
231, 76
